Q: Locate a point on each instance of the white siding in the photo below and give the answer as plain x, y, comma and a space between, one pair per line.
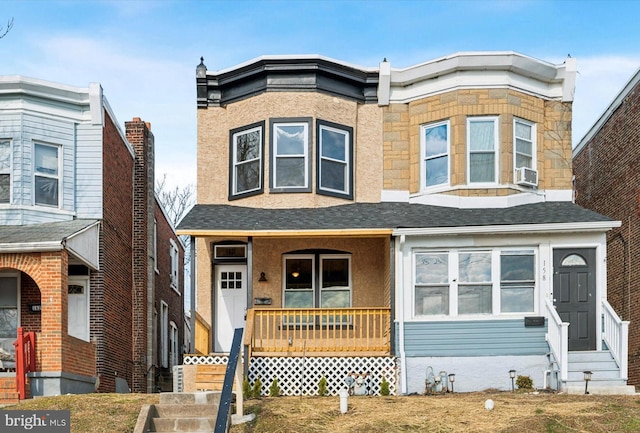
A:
89, 171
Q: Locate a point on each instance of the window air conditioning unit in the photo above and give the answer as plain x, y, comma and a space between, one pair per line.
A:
526, 176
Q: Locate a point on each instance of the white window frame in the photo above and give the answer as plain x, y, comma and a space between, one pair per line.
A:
276, 157
155, 245
496, 148
531, 125
236, 164
173, 344
9, 170
424, 158
347, 163
313, 288
174, 264
164, 334
496, 286
348, 288
57, 177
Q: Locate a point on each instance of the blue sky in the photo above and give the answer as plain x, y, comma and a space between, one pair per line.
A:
144, 52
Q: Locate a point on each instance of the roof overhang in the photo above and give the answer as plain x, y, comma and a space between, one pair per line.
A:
287, 233
82, 244
599, 226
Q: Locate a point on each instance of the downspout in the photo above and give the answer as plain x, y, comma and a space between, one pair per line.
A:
400, 303
192, 290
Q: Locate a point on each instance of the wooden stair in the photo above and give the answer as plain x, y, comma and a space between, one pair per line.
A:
8, 392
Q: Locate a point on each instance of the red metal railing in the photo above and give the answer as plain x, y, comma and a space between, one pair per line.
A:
25, 359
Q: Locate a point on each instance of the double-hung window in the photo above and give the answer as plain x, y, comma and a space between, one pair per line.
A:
474, 282
434, 148
432, 283
5, 171
174, 259
317, 279
524, 144
334, 159
517, 281
246, 160
482, 143
290, 160
46, 174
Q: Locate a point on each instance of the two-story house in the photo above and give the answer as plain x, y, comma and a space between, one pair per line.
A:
397, 222
605, 165
82, 263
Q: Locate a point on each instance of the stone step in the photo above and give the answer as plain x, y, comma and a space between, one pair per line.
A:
203, 397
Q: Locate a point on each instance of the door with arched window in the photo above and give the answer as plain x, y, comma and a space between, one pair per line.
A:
574, 295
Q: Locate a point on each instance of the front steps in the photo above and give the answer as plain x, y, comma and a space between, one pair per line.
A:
605, 377
181, 412
8, 392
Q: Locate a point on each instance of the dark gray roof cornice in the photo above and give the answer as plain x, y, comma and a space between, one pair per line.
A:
392, 216
285, 73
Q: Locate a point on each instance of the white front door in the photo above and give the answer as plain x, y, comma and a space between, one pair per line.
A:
231, 304
78, 308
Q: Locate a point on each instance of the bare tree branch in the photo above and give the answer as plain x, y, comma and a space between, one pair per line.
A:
9, 26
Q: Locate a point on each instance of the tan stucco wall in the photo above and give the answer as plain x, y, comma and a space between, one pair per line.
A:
402, 137
214, 124
370, 264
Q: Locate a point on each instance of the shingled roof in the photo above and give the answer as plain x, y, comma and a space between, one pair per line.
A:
42, 233
380, 216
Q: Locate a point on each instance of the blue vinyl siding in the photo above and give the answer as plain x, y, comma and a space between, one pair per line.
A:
474, 338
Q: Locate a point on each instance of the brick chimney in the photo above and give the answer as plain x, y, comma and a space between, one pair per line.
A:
140, 137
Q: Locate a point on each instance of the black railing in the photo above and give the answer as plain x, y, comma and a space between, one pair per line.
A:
222, 421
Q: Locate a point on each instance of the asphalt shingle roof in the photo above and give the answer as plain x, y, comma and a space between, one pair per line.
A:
46, 232
380, 216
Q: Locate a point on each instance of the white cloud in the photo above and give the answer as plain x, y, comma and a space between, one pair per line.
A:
599, 81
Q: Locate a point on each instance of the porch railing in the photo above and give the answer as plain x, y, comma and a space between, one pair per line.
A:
558, 339
202, 335
615, 333
318, 332
25, 359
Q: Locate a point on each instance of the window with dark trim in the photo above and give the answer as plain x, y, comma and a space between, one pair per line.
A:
334, 157
46, 174
246, 161
290, 151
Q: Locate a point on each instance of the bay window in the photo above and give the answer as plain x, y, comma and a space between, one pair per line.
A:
474, 282
290, 162
482, 144
5, 171
246, 160
334, 159
434, 148
46, 174
523, 144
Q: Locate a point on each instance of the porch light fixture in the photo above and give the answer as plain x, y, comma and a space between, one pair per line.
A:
587, 378
263, 277
512, 375
452, 378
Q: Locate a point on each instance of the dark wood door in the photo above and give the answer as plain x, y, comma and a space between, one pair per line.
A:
574, 295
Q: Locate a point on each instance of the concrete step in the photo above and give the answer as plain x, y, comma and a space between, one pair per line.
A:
203, 397
600, 388
183, 424
590, 356
186, 410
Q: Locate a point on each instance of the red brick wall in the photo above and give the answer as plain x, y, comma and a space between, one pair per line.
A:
29, 294
111, 287
164, 292
607, 180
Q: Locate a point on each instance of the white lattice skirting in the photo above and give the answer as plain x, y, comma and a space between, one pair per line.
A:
301, 375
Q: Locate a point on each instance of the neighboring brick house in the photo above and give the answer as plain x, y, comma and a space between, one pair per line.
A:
76, 239
396, 223
606, 166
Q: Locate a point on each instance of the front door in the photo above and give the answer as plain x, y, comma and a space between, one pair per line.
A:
574, 295
79, 308
231, 304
